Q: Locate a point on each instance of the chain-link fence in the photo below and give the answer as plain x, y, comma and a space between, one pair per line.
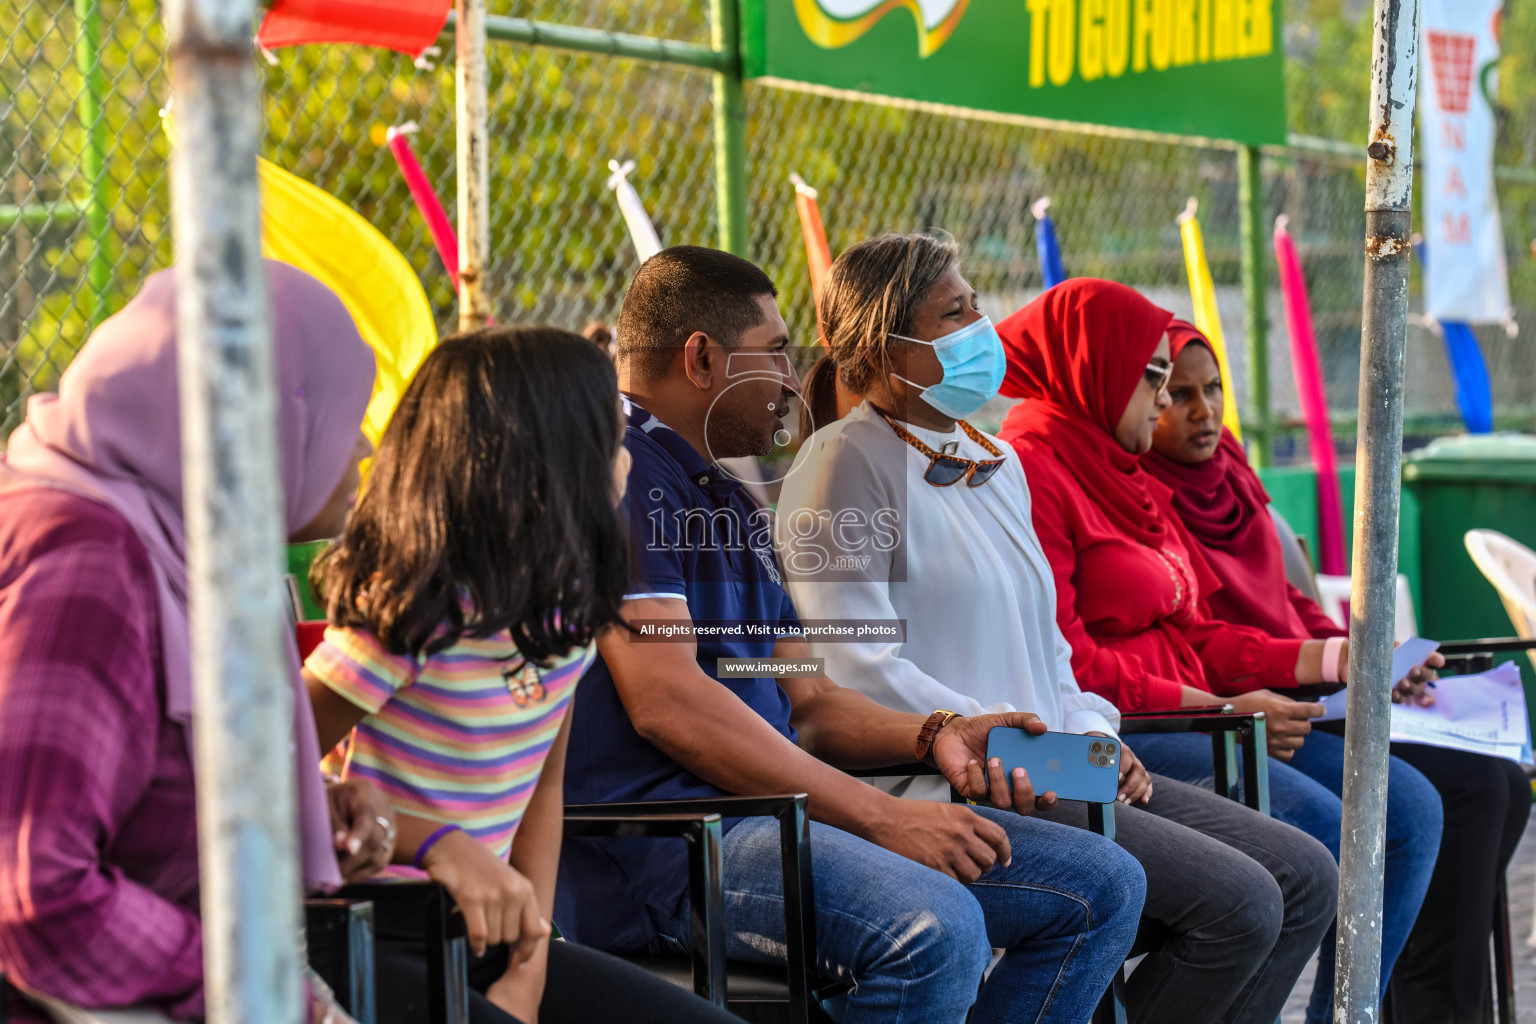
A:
84, 203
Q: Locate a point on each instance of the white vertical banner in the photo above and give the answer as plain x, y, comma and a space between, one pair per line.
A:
1466, 276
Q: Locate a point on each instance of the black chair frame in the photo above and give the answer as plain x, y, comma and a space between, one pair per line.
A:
340, 940
404, 904
1234, 739
741, 986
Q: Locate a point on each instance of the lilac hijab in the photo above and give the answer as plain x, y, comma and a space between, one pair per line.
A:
112, 433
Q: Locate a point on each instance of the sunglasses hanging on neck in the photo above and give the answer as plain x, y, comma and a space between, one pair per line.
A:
946, 469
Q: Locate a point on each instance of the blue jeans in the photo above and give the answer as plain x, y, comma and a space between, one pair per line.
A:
915, 942
1306, 793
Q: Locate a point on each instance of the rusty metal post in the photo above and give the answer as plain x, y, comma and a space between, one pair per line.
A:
246, 806
1378, 468
471, 109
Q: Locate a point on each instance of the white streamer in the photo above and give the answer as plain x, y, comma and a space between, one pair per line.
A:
641, 231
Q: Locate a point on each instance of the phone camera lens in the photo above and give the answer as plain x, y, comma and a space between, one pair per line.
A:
1095, 747
1103, 760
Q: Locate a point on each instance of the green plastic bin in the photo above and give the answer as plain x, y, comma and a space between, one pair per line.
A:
1461, 483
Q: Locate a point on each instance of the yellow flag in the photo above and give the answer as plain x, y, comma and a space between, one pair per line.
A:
1203, 292
306, 226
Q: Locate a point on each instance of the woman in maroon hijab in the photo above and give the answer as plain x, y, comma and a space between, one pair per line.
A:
1442, 975
1091, 360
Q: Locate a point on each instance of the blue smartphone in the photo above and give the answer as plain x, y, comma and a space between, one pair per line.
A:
1075, 767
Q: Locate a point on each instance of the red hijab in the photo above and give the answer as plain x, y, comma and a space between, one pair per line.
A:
1076, 355
1226, 509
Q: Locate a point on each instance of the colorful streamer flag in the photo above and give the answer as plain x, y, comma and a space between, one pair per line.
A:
1308, 368
431, 208
641, 231
818, 256
1052, 272
409, 26
1474, 391
313, 230
1202, 290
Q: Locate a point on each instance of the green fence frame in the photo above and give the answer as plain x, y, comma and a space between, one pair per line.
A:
93, 209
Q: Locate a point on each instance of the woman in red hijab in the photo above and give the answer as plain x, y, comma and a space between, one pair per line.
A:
1442, 975
1091, 360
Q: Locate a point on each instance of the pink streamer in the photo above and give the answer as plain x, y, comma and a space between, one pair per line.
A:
1314, 403
432, 211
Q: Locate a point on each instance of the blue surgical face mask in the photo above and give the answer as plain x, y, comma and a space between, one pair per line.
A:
974, 366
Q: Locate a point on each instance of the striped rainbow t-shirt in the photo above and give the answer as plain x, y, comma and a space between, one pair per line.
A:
458, 736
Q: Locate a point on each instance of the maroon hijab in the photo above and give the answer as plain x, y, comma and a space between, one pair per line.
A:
1226, 509
1075, 355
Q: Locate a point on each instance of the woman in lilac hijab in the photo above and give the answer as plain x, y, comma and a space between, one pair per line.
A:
98, 839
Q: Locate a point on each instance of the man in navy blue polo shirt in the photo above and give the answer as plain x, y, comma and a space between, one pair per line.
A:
911, 896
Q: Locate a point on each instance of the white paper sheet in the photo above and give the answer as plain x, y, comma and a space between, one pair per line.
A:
1483, 713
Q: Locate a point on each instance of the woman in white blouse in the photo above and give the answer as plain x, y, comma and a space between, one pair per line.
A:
900, 514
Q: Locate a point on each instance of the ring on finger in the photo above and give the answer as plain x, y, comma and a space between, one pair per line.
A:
388, 827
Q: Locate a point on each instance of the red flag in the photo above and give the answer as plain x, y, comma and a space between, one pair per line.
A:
409, 26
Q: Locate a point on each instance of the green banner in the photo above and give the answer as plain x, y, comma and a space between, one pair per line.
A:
1191, 67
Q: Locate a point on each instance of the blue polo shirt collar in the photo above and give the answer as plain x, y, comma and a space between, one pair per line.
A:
710, 479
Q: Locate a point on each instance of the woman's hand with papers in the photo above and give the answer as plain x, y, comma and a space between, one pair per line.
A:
1410, 689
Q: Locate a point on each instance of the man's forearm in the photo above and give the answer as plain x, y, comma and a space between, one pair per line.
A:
725, 743
846, 728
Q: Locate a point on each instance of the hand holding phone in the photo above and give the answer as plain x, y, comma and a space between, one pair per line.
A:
1075, 767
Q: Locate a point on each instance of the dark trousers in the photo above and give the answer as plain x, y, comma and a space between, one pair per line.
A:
583, 986
1236, 905
1443, 976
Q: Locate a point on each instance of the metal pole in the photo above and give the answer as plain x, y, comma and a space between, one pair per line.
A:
730, 128
246, 806
1250, 192
500, 28
93, 155
1378, 462
472, 109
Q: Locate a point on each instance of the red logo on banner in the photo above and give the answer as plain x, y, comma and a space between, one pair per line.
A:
1450, 60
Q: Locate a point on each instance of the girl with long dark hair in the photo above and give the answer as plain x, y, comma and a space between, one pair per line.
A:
463, 598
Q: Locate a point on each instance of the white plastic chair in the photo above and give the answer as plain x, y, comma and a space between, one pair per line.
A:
1333, 597
1511, 567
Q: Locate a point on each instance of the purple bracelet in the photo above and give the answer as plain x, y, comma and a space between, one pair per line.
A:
431, 841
